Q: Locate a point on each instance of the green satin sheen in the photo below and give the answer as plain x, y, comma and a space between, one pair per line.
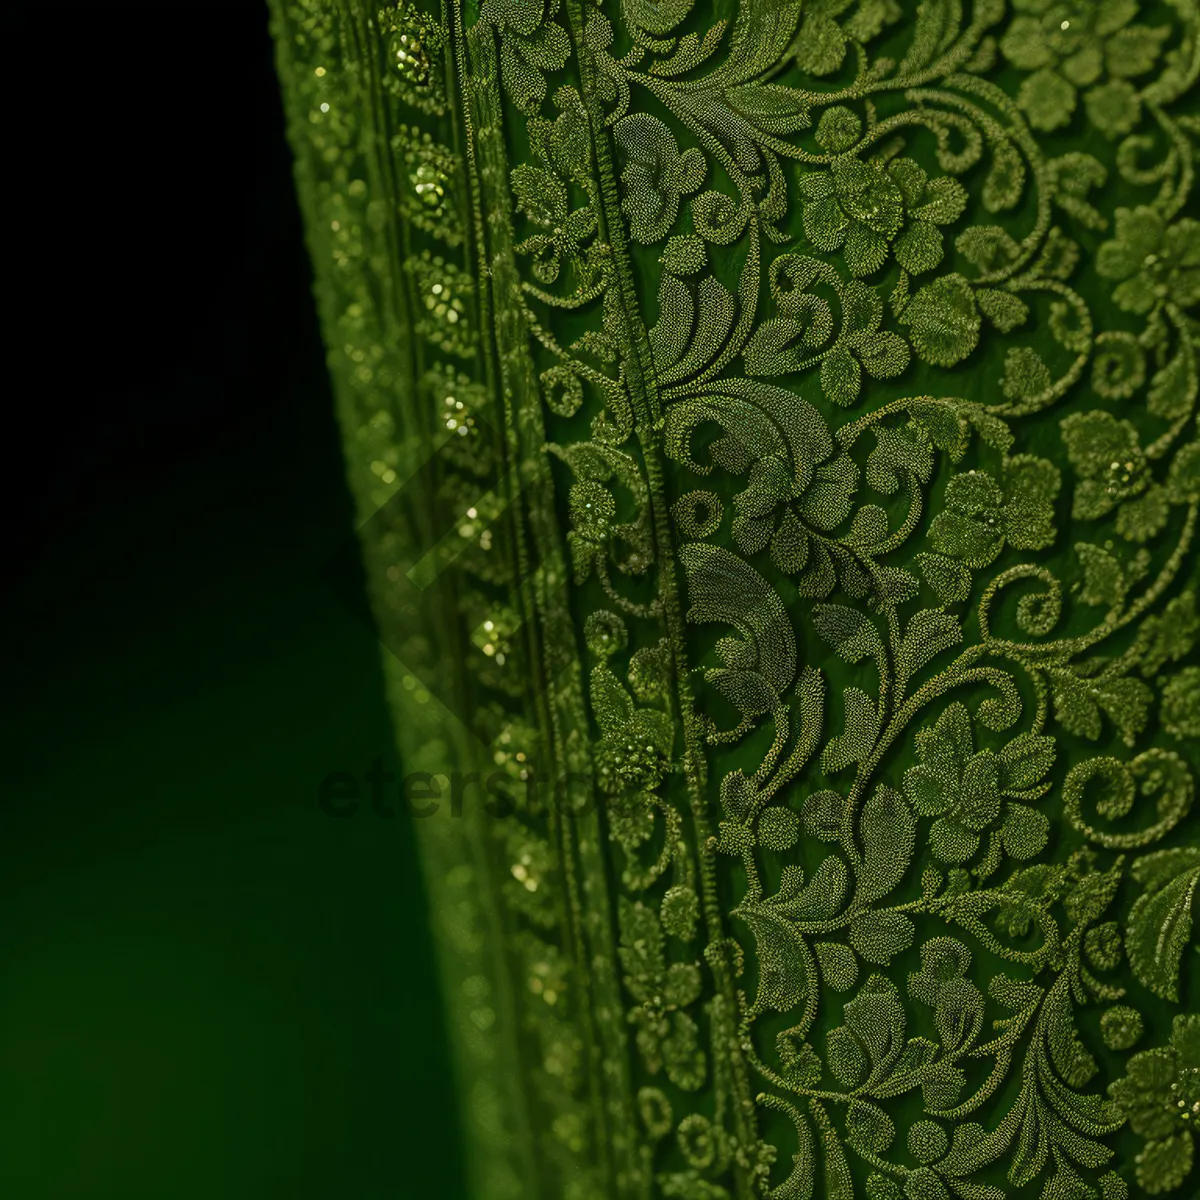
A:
773, 431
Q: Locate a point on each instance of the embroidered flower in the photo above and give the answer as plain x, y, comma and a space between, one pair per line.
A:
1153, 261
1075, 45
862, 208
980, 515
1160, 1095
1113, 473
775, 507
632, 753
854, 208
827, 30
965, 789
928, 203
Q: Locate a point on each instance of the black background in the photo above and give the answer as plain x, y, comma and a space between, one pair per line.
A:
209, 987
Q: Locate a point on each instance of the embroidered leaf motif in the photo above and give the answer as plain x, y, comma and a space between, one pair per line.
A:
770, 107
862, 732
876, 1017
928, 633
822, 897
778, 829
898, 454
1025, 374
869, 1127
845, 1057
888, 831
659, 18
684, 255
841, 377
883, 354
879, 936
540, 195
848, 631
724, 588
1024, 762
839, 967
528, 49
778, 346
822, 815
1082, 694
782, 984
1160, 922
1006, 311
950, 580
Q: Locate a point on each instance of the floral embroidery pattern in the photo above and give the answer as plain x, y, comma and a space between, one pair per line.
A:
812, 391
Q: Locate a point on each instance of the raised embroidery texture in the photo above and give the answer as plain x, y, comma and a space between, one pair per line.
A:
837, 363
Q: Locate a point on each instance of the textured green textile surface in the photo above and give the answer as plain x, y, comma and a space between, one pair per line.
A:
773, 430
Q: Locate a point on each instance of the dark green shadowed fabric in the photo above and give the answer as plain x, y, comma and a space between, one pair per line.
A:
773, 426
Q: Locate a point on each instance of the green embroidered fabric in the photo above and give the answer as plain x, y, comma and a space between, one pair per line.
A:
773, 425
